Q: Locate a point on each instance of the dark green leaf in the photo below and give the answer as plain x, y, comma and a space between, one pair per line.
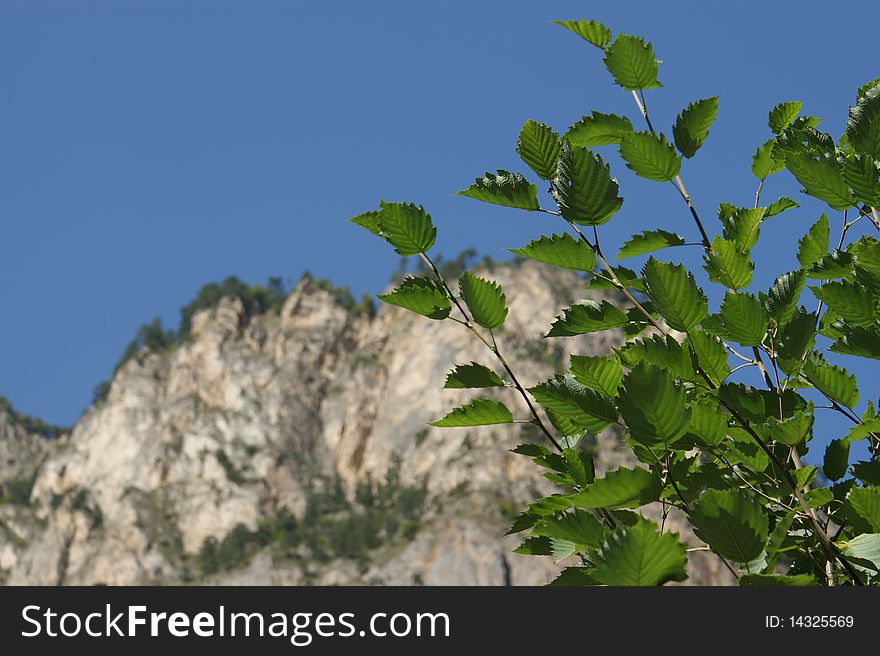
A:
577, 526
741, 225
485, 299
675, 294
575, 576
648, 241
583, 187
473, 375
407, 227
592, 31
831, 380
783, 114
866, 502
836, 459
708, 422
568, 398
632, 63
780, 205
756, 404
538, 146
420, 295
855, 304
731, 523
711, 355
663, 352
743, 318
818, 497
619, 488
587, 317
781, 301
640, 555
535, 547
650, 156
692, 125
791, 431
838, 264
504, 188
598, 129
560, 250
863, 126
763, 161
822, 178
601, 373
814, 245
861, 173
481, 412
368, 220
794, 339
728, 265
865, 548
867, 471
778, 580
653, 406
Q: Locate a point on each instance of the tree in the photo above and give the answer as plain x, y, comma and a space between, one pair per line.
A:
727, 454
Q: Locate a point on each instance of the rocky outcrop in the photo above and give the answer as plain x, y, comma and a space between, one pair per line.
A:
293, 448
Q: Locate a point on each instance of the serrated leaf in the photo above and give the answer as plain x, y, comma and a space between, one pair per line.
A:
791, 431
675, 294
577, 526
728, 265
853, 303
731, 523
863, 126
588, 316
583, 187
821, 178
831, 380
640, 555
814, 245
837, 264
567, 398
648, 241
780, 205
619, 488
504, 188
778, 580
756, 405
421, 295
535, 546
782, 299
575, 576
866, 502
862, 342
598, 129
653, 406
538, 146
867, 471
866, 87
470, 376
708, 422
631, 62
601, 373
692, 126
559, 250
865, 547
368, 220
485, 299
481, 412
836, 460
818, 497
783, 115
663, 352
407, 227
627, 277
650, 156
711, 355
861, 173
741, 225
763, 161
795, 339
593, 31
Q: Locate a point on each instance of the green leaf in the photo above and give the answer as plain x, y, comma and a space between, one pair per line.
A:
831, 380
778, 580
728, 265
598, 129
838, 264
653, 406
592, 31
863, 126
836, 459
650, 156
640, 555
859, 341
780, 205
777, 539
692, 125
866, 87
743, 319
795, 339
675, 294
407, 227
867, 471
822, 178
866, 502
781, 301
627, 277
708, 422
485, 299
870, 423
860, 172
600, 373
583, 187
731, 523
818, 497
814, 245
663, 352
420, 295
575, 576
588, 316
711, 355
792, 431
865, 547
538, 146
535, 547
783, 115
648, 241
619, 488
473, 375
854, 303
481, 412
567, 398
756, 405
763, 161
577, 526
559, 250
368, 220
741, 225
504, 188
631, 62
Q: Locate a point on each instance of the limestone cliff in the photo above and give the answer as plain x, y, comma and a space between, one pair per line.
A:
293, 447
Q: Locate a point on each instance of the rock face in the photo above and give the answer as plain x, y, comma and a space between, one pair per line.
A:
293, 448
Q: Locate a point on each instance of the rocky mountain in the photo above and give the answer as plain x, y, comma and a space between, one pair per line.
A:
293, 448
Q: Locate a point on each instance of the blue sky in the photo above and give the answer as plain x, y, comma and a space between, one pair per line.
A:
149, 147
